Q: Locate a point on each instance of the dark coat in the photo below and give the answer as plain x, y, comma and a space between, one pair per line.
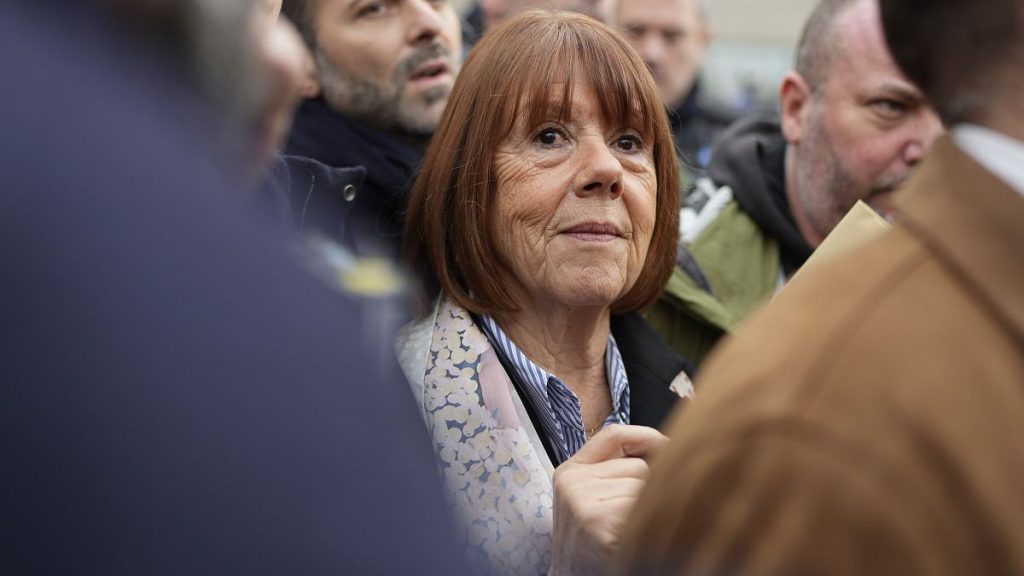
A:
176, 397
314, 198
696, 125
338, 141
650, 365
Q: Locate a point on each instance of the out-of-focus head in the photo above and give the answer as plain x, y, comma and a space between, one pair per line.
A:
390, 63
552, 182
497, 12
967, 57
285, 62
238, 55
271, 8
857, 127
671, 36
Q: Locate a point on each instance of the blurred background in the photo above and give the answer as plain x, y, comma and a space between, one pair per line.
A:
752, 49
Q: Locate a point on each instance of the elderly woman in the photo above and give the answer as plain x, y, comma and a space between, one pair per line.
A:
546, 211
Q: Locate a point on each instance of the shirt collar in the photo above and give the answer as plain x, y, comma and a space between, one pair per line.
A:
538, 379
615, 371
998, 153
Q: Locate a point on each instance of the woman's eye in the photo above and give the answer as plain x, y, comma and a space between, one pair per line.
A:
549, 137
629, 143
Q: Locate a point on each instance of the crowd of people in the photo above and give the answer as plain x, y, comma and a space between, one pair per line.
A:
376, 287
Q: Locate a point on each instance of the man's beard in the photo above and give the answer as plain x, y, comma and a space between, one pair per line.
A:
826, 189
382, 105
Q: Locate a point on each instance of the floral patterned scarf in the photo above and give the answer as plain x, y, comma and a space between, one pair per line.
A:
493, 464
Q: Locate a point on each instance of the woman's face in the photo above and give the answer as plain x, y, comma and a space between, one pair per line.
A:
575, 206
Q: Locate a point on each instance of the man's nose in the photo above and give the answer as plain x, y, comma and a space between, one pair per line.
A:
424, 21
494, 11
652, 50
927, 129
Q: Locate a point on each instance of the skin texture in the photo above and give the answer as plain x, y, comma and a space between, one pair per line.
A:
594, 492
371, 54
671, 36
552, 179
860, 135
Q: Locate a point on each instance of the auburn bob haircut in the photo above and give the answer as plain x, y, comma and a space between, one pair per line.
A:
447, 236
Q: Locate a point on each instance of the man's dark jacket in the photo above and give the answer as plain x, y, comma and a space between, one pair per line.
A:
376, 219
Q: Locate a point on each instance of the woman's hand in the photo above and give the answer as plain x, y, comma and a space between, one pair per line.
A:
594, 491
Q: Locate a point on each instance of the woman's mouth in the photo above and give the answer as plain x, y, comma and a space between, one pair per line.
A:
594, 232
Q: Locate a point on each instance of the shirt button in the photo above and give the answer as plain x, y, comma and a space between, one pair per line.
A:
348, 192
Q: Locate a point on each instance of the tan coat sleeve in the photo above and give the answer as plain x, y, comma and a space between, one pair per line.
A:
787, 499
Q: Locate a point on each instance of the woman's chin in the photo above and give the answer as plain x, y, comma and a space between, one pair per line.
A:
590, 291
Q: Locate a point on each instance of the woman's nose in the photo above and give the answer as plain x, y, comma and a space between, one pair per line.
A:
601, 171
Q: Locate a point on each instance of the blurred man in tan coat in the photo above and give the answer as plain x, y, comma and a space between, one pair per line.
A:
871, 419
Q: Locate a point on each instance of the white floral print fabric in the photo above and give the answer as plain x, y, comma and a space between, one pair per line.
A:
495, 470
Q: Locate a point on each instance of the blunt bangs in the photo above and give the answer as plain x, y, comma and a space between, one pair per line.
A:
570, 51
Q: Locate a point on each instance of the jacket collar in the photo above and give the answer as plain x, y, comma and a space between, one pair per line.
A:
337, 140
750, 158
317, 192
974, 223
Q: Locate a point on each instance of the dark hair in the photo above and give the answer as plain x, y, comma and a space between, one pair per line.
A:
817, 46
954, 50
446, 238
300, 12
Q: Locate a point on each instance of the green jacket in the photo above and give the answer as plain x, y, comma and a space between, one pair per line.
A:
725, 273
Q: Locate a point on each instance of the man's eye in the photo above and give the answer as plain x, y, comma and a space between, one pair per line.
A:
372, 9
673, 37
889, 108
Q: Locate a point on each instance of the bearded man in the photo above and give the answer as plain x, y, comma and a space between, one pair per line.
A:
853, 127
382, 73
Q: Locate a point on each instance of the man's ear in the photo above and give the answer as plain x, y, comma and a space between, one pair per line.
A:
795, 99
310, 86
309, 77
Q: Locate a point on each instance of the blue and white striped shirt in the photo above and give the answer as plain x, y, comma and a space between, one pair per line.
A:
557, 407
